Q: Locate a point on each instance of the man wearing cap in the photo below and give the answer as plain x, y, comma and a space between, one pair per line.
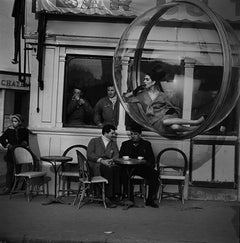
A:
134, 148
16, 134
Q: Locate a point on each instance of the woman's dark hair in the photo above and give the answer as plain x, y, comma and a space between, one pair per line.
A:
157, 73
164, 72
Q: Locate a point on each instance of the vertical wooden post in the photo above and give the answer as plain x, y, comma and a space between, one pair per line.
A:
188, 88
237, 157
124, 73
2, 102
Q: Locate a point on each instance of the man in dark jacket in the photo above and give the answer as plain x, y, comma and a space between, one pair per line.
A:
79, 110
134, 148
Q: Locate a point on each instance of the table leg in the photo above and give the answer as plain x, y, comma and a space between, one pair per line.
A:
129, 203
56, 199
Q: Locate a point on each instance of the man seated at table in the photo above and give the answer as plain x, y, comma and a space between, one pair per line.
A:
133, 148
101, 152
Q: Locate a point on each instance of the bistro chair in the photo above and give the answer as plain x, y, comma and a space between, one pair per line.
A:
139, 181
88, 182
70, 171
26, 170
172, 165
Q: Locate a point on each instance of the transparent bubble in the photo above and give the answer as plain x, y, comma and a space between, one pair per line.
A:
176, 69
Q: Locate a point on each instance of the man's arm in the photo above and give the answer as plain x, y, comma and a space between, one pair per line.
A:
115, 151
149, 154
71, 106
98, 113
3, 139
123, 151
91, 151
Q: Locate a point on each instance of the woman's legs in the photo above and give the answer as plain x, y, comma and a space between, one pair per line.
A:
180, 121
182, 128
182, 125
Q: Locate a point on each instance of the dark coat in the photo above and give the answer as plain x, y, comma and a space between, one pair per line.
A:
12, 136
142, 148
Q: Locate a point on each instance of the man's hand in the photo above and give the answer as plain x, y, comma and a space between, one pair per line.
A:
107, 162
9, 146
76, 97
81, 101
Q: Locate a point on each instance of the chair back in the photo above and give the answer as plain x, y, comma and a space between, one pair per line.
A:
83, 166
71, 151
172, 158
24, 159
72, 166
23, 155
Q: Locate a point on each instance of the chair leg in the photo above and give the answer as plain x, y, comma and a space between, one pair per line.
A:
160, 192
146, 192
78, 193
82, 195
28, 190
47, 185
182, 192
43, 187
68, 186
59, 184
103, 195
63, 185
13, 187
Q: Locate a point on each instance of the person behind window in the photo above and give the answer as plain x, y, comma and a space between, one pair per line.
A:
101, 152
16, 134
79, 111
157, 107
107, 108
134, 148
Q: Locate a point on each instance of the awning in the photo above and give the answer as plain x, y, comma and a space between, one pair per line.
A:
127, 8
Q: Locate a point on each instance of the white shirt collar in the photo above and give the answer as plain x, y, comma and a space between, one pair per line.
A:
105, 140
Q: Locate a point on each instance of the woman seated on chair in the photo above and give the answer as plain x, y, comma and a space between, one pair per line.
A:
157, 107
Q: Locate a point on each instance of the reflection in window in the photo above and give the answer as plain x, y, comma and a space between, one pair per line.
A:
85, 83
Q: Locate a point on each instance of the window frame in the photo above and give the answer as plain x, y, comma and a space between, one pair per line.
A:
67, 91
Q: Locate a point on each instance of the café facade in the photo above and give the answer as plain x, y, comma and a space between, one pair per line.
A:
71, 45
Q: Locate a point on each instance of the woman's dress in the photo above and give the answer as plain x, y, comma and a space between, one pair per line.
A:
153, 111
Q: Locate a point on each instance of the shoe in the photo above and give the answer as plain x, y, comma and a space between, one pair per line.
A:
127, 205
5, 191
152, 204
117, 199
110, 204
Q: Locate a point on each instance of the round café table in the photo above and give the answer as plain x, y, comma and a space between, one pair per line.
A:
129, 165
56, 161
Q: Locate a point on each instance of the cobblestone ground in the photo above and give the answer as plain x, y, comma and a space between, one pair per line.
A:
172, 222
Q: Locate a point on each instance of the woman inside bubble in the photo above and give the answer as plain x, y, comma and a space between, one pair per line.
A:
157, 107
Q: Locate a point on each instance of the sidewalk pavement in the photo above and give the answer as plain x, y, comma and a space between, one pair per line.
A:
172, 222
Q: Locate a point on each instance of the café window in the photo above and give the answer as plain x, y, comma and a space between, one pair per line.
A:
86, 82
211, 77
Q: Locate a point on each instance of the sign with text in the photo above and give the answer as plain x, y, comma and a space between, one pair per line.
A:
9, 81
228, 9
125, 8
